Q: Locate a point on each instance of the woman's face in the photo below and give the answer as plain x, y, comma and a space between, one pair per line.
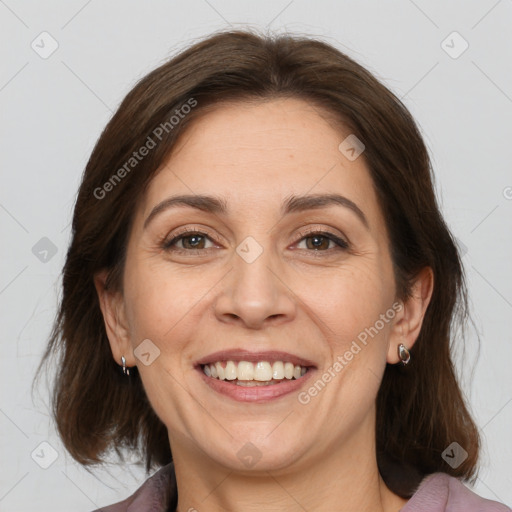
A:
266, 278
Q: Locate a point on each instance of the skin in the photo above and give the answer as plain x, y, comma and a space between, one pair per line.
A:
294, 297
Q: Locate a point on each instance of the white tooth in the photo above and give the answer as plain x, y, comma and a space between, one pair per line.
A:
230, 371
278, 370
213, 371
263, 371
288, 370
303, 371
245, 370
296, 372
206, 370
220, 371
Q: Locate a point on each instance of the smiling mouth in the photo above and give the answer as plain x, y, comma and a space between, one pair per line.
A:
248, 374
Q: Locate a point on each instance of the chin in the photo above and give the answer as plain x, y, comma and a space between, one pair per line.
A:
259, 452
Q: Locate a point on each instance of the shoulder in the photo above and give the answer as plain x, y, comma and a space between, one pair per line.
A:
441, 492
157, 494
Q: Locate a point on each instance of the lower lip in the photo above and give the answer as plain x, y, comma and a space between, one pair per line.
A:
255, 393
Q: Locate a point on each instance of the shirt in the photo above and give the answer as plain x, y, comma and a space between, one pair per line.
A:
438, 492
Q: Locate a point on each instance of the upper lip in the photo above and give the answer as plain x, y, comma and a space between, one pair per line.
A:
247, 355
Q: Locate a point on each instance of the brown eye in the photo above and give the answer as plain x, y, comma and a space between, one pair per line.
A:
193, 242
190, 241
319, 241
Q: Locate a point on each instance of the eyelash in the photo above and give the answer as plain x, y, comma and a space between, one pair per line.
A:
342, 245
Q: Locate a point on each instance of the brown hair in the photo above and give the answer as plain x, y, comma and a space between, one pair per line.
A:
420, 408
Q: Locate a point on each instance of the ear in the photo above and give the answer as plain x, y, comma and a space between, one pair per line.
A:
409, 319
114, 316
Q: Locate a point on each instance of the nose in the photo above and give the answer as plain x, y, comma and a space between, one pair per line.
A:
254, 294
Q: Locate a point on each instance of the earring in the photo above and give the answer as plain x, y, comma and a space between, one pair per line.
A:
126, 371
403, 354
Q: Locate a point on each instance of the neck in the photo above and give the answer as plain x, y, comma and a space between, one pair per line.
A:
343, 478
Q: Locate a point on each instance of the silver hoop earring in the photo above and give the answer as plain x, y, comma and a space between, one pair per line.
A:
126, 371
403, 354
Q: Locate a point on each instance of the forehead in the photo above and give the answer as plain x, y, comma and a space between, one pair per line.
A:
257, 153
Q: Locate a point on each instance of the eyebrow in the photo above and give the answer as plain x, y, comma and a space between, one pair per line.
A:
217, 205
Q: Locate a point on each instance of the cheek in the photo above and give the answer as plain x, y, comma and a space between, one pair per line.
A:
159, 300
350, 299
164, 308
357, 308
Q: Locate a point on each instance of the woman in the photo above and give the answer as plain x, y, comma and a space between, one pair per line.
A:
260, 283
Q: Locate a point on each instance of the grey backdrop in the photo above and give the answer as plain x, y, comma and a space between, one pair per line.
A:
65, 68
